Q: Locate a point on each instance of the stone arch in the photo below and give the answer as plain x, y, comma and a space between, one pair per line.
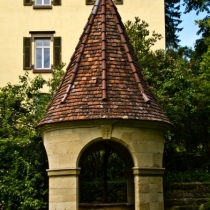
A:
114, 140
121, 149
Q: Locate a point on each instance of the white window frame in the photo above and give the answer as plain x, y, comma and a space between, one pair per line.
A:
42, 35
42, 4
42, 54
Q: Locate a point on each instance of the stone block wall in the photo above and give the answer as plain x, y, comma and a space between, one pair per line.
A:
150, 193
186, 195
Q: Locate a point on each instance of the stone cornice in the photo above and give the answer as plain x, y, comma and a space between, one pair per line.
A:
111, 122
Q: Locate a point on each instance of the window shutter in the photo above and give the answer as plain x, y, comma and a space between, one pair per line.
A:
57, 51
26, 53
56, 2
90, 2
27, 2
118, 1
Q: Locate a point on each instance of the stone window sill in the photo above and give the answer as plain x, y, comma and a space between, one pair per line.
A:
42, 6
42, 70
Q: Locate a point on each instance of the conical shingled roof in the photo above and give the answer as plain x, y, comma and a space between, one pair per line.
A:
103, 79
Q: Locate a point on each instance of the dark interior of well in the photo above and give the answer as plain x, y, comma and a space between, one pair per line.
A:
106, 171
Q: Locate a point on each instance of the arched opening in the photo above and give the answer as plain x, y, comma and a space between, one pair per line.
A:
106, 178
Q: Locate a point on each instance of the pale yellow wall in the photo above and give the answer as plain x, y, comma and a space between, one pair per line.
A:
67, 20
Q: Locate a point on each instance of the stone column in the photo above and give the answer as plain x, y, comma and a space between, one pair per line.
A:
130, 187
63, 189
148, 188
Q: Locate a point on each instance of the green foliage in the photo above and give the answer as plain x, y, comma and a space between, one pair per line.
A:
199, 175
92, 191
18, 115
206, 205
23, 160
23, 105
92, 177
201, 44
174, 208
140, 37
92, 167
197, 5
23, 180
181, 84
201, 207
55, 80
172, 21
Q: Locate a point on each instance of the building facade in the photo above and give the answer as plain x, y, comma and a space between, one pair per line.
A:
36, 35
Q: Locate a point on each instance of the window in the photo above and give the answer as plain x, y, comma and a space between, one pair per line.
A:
41, 51
42, 54
41, 4
91, 2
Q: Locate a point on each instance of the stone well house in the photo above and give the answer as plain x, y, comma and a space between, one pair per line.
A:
104, 98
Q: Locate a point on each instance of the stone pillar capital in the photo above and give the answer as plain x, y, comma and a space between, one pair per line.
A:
63, 172
148, 171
